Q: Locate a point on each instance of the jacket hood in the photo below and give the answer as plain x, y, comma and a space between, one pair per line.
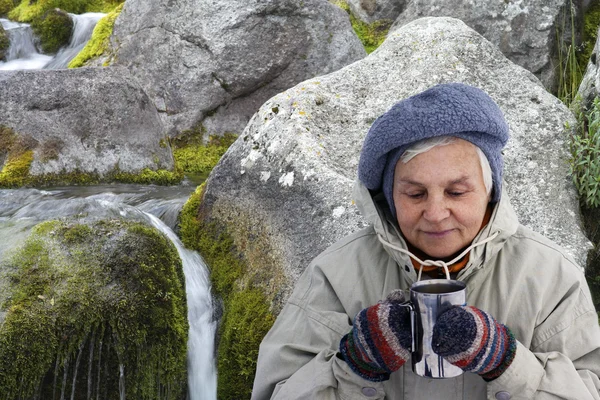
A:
373, 206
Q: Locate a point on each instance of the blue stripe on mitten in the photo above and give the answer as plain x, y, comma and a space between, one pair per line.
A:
380, 340
474, 341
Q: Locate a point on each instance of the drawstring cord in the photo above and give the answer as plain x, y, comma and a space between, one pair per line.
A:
437, 263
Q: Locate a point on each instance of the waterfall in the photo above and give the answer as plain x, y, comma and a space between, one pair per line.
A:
23, 53
202, 379
22, 209
83, 26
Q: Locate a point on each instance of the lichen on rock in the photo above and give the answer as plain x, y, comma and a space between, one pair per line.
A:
87, 302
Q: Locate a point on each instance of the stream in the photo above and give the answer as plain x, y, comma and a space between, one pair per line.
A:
23, 50
22, 209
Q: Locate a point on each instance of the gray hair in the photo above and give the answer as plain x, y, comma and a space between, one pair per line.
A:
425, 145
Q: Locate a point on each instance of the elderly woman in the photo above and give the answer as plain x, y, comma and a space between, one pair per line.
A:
430, 183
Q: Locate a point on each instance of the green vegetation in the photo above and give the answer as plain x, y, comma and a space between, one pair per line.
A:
6, 6
591, 21
585, 139
569, 71
18, 154
85, 299
573, 58
585, 155
54, 29
371, 35
247, 316
193, 156
4, 42
99, 41
28, 10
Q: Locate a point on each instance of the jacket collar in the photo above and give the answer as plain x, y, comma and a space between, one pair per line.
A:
503, 224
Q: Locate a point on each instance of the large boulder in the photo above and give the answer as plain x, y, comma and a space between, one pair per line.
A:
526, 32
370, 11
284, 188
93, 120
102, 302
215, 62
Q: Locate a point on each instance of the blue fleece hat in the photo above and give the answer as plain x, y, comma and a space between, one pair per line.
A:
450, 109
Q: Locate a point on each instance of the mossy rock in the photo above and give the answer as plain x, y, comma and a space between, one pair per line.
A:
54, 29
87, 302
371, 35
193, 156
27, 11
17, 154
99, 42
4, 40
247, 312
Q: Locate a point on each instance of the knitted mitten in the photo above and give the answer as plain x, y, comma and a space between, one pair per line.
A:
474, 341
380, 340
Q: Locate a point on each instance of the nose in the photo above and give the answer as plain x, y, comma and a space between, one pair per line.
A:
436, 209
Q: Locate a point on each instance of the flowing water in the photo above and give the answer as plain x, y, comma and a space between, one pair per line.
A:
23, 51
21, 209
83, 26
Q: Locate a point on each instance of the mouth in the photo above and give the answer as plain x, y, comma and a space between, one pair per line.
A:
438, 234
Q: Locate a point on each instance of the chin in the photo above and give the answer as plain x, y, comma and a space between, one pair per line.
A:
437, 253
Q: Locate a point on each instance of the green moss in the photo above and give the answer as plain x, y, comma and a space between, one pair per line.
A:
99, 42
110, 293
54, 29
216, 247
4, 40
148, 176
240, 281
6, 6
15, 172
245, 322
591, 21
201, 158
371, 35
28, 10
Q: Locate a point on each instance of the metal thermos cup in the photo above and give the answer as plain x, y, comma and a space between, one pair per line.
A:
428, 299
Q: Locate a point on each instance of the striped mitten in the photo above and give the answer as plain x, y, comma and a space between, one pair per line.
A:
380, 340
474, 341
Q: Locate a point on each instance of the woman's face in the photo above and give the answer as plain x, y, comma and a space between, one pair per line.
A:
440, 198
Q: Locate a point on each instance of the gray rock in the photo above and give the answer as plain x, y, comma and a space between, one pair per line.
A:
215, 62
90, 119
525, 31
370, 11
291, 172
589, 88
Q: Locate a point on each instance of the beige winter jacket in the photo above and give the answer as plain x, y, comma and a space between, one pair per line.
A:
523, 279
